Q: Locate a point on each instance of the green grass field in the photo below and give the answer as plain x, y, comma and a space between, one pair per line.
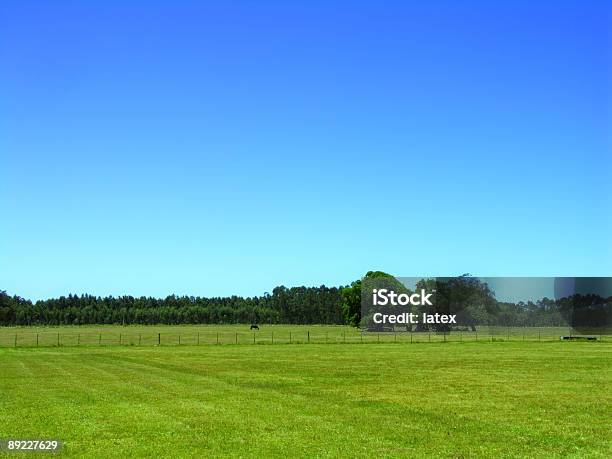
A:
105, 335
470, 399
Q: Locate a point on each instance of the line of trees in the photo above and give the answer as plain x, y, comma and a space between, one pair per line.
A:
296, 305
467, 297
474, 304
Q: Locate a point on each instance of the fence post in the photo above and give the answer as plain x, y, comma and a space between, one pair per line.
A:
119, 339
236, 337
253, 337
179, 339
36, 339
344, 336
539, 335
15, 339
378, 334
325, 337
99, 339
394, 336
289, 337
476, 335
217, 337
78, 339
159, 339
308, 336
361, 333
272, 337
411, 336
58, 341
508, 334
139, 338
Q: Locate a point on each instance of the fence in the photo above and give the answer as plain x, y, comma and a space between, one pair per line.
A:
152, 338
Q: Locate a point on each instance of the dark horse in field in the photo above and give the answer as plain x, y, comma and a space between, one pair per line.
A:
254, 327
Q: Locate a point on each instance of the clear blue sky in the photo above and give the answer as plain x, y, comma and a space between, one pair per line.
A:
202, 148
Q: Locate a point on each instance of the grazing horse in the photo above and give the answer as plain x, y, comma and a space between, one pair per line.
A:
254, 327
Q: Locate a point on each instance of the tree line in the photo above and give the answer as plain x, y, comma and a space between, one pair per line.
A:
296, 305
474, 304
467, 297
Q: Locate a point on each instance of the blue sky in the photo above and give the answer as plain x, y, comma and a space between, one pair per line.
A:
201, 148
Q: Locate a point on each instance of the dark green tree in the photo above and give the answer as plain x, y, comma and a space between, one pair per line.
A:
351, 297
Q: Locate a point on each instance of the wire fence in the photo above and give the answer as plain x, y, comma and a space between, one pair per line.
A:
152, 338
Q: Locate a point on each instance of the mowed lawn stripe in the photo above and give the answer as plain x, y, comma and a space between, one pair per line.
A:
476, 399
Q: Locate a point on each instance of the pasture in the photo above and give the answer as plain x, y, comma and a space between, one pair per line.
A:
152, 335
453, 399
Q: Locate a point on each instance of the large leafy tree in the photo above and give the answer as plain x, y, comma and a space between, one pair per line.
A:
351, 296
466, 296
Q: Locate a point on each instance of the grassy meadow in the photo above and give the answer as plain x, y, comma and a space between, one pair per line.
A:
470, 399
148, 335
